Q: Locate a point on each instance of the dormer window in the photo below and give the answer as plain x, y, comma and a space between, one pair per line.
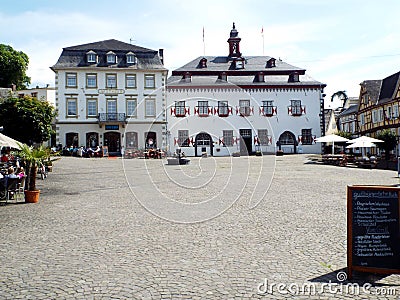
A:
294, 77
131, 58
111, 58
260, 77
271, 63
223, 76
187, 77
203, 63
91, 57
239, 64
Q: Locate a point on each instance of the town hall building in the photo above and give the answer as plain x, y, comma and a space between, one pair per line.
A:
221, 105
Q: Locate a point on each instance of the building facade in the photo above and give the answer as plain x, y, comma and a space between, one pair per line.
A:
111, 93
219, 105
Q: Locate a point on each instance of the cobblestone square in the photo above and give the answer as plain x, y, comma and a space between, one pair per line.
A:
218, 228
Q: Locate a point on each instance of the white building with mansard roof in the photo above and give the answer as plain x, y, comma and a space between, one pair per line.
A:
224, 104
110, 93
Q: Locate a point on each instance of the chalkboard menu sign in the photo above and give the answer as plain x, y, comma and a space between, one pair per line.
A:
373, 229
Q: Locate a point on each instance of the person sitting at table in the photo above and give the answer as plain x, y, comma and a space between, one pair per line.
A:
20, 172
4, 158
10, 173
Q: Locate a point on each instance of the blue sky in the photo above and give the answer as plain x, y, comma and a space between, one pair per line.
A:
340, 43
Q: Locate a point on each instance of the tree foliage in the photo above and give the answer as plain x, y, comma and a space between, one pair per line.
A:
345, 134
389, 139
13, 66
26, 119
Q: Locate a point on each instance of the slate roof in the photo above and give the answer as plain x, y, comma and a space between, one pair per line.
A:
352, 109
389, 88
278, 80
275, 76
75, 56
225, 64
373, 88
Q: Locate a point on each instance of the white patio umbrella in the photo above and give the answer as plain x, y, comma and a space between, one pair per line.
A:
6, 141
361, 144
365, 138
331, 138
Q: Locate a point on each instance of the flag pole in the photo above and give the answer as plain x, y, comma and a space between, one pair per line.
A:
204, 44
262, 34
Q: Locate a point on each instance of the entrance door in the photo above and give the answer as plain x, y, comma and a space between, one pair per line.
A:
245, 142
113, 141
287, 142
150, 139
203, 143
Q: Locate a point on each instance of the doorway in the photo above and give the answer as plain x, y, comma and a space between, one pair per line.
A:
113, 141
246, 146
203, 143
287, 141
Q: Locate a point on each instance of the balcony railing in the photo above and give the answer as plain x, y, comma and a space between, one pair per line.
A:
111, 117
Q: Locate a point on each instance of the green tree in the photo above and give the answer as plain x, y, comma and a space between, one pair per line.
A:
345, 134
389, 139
27, 119
13, 66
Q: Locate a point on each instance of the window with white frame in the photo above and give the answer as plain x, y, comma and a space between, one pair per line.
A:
130, 81
389, 113
111, 106
71, 80
228, 137
131, 107
130, 59
306, 137
202, 107
362, 119
365, 98
244, 107
395, 111
91, 57
183, 138
111, 80
380, 115
295, 106
150, 107
91, 80
111, 58
72, 107
374, 116
223, 109
180, 109
268, 108
91, 107
263, 137
149, 81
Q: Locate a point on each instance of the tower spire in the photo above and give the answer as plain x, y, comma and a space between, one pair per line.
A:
234, 42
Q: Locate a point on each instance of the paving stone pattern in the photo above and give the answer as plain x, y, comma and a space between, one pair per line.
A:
120, 229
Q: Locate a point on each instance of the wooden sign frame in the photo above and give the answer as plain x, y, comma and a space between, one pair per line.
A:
350, 213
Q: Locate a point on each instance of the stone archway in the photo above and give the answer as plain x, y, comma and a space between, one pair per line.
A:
287, 140
203, 143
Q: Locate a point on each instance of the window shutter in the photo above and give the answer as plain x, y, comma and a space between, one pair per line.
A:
173, 110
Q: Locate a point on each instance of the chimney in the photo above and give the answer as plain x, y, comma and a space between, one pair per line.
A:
161, 54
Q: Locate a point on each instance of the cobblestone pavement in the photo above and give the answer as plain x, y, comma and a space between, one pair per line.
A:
137, 229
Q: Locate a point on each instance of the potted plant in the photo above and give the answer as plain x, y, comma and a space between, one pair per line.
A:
33, 158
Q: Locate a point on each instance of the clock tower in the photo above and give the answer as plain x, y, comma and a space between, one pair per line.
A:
234, 42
